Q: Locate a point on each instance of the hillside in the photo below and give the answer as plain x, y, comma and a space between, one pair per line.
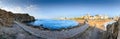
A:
7, 18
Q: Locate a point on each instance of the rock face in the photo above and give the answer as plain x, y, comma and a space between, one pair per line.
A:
112, 30
23, 17
7, 18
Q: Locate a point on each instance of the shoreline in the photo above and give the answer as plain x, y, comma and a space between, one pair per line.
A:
42, 28
54, 34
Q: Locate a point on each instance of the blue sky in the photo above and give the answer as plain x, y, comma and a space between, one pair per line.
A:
62, 8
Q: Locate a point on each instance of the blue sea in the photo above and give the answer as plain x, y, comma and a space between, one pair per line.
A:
54, 24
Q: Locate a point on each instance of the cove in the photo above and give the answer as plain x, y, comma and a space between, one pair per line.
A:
54, 24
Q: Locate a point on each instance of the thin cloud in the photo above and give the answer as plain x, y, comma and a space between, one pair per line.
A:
20, 9
16, 9
31, 7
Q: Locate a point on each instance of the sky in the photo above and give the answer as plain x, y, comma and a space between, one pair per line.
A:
62, 8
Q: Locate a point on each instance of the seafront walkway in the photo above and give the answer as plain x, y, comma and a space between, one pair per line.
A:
53, 34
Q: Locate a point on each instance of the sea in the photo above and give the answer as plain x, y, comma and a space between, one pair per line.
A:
54, 24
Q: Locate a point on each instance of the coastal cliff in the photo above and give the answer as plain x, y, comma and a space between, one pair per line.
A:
7, 18
112, 31
23, 17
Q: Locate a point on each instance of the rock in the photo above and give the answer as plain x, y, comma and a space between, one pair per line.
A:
7, 18
20, 36
23, 17
112, 30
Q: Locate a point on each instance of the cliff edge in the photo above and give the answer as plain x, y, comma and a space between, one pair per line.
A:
7, 18
112, 31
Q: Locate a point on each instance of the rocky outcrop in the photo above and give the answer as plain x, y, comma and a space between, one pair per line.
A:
112, 31
7, 18
23, 17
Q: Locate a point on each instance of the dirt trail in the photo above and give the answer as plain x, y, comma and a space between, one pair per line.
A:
95, 33
90, 33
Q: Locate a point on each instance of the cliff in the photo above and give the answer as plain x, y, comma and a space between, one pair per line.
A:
7, 18
23, 17
112, 31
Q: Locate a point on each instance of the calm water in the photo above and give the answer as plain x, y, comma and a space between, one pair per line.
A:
55, 24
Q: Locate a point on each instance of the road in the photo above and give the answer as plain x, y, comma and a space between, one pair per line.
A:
53, 34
